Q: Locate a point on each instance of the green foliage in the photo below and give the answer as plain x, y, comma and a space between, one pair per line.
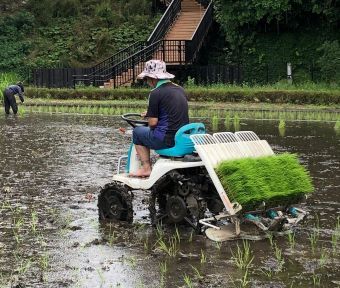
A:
70, 33
12, 28
329, 62
269, 32
5, 80
276, 180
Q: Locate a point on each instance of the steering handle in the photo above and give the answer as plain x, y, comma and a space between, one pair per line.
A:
134, 122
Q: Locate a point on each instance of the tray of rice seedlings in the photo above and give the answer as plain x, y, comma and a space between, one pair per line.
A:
278, 180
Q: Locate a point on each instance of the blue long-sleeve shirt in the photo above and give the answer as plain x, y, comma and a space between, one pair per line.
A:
17, 90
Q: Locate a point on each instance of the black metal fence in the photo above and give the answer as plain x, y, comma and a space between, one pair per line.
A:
198, 74
209, 74
57, 77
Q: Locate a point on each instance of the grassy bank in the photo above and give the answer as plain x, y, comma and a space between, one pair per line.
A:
280, 94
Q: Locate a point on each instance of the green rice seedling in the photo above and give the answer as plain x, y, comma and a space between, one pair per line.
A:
112, 238
44, 261
146, 244
335, 243
101, 277
203, 257
214, 123
34, 221
159, 232
243, 256
335, 237
178, 236
337, 128
131, 261
197, 272
282, 128
236, 122
271, 241
163, 269
324, 256
291, 240
267, 272
22, 111
279, 180
227, 122
316, 280
23, 266
313, 239
191, 236
87, 110
170, 247
278, 257
245, 279
188, 281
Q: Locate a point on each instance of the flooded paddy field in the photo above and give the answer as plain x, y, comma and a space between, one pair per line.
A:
52, 167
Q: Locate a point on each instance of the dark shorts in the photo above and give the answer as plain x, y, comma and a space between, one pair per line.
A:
143, 135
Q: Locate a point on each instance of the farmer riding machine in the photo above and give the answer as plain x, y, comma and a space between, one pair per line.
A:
203, 181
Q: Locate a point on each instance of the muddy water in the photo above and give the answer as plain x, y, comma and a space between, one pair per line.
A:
51, 167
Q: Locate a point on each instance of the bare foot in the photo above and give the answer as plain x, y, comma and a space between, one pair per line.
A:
142, 173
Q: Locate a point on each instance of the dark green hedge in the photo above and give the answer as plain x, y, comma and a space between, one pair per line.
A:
195, 94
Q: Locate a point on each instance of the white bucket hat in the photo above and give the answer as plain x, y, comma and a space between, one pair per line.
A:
155, 69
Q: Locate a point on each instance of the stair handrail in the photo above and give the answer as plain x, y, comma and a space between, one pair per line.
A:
165, 22
97, 70
111, 61
200, 32
130, 62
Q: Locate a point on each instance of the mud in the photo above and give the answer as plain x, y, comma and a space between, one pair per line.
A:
52, 166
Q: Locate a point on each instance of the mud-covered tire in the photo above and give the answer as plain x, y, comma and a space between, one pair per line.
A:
115, 203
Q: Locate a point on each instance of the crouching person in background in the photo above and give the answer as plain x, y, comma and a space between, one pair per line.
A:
9, 97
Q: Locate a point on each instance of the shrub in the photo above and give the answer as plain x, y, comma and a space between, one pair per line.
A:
329, 62
227, 94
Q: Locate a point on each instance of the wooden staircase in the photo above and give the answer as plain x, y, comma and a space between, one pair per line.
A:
187, 21
173, 51
183, 29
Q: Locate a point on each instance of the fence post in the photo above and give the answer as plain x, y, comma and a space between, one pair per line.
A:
133, 68
163, 44
114, 77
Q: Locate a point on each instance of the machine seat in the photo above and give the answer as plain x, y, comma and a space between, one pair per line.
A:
183, 143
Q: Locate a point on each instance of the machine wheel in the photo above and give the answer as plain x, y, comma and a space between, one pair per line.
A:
179, 201
115, 203
176, 209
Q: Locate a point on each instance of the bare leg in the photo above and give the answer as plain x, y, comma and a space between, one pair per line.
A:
144, 155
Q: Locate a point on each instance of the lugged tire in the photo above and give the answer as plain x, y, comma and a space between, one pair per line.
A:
115, 195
